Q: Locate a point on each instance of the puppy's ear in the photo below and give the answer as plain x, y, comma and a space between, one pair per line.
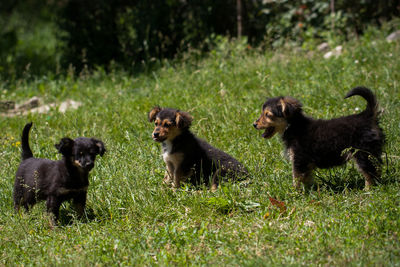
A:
153, 113
183, 119
290, 106
100, 145
65, 146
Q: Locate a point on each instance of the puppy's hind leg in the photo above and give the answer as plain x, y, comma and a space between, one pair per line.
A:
369, 168
215, 179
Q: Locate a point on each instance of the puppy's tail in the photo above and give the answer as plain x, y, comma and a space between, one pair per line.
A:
372, 105
26, 150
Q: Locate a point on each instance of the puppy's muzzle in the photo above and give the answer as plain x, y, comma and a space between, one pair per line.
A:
89, 166
85, 165
156, 137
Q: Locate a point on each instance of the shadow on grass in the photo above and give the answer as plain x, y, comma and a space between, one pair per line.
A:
338, 180
68, 217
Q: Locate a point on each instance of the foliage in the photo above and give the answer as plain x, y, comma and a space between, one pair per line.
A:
74, 34
133, 219
28, 40
133, 32
334, 21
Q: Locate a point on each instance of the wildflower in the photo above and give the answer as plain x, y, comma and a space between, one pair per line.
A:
16, 144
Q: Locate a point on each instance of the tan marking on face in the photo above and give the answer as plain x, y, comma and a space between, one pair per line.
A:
166, 130
271, 123
77, 163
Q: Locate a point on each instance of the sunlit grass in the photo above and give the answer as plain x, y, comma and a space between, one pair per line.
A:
133, 219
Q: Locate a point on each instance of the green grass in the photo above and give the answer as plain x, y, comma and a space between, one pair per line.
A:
133, 219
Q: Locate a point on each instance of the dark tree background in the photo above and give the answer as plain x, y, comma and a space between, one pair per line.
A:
47, 36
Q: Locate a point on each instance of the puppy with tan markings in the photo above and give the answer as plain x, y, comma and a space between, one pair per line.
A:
56, 181
187, 157
312, 143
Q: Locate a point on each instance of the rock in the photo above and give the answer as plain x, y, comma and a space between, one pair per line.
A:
6, 105
69, 104
335, 52
30, 104
323, 47
393, 36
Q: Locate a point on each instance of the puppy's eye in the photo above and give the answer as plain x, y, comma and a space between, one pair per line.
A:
81, 153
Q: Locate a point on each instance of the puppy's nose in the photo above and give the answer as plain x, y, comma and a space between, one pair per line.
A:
156, 134
255, 125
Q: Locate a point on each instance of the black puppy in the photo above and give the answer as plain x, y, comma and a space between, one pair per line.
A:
56, 181
320, 143
186, 156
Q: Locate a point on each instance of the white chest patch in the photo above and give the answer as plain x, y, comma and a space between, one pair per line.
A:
171, 158
167, 148
290, 154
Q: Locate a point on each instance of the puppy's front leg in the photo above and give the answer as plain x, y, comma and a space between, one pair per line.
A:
300, 177
53, 207
178, 177
168, 179
181, 176
79, 203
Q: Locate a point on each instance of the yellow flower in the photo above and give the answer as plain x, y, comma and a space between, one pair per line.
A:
18, 143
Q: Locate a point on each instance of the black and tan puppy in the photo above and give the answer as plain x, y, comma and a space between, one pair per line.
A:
56, 181
189, 158
312, 143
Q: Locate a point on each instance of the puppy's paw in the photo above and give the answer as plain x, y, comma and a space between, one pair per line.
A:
214, 187
167, 179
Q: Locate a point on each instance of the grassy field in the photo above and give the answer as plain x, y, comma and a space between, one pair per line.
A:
133, 219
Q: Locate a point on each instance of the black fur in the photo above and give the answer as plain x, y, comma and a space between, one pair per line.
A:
320, 143
204, 160
56, 181
188, 157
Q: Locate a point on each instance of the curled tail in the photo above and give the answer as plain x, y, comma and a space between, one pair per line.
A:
367, 94
26, 150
